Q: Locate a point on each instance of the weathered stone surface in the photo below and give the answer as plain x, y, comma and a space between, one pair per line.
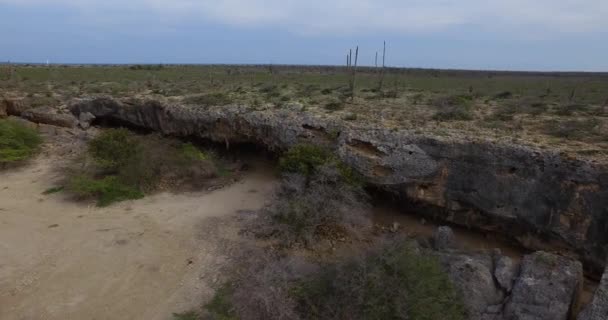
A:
598, 308
3, 109
505, 271
472, 276
546, 288
48, 115
14, 107
443, 238
515, 190
85, 119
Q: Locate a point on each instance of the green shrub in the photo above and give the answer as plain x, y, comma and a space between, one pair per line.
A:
190, 315
308, 209
394, 280
305, 159
17, 142
220, 307
210, 99
125, 166
577, 129
114, 148
450, 108
53, 190
394, 283
334, 105
107, 190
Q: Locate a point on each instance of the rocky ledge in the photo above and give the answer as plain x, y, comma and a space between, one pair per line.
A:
541, 198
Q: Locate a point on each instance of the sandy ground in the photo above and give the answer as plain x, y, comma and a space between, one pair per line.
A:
142, 259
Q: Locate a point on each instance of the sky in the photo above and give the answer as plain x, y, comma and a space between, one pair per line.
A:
545, 35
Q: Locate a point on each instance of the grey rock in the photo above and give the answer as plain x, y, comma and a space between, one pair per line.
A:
48, 115
443, 238
516, 190
545, 289
505, 271
472, 276
85, 119
3, 109
598, 308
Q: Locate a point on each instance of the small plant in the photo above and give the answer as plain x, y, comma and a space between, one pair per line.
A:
210, 99
190, 315
53, 190
454, 108
107, 190
327, 204
220, 307
17, 142
113, 149
305, 159
334, 105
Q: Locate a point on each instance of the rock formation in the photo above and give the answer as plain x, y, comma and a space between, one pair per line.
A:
519, 191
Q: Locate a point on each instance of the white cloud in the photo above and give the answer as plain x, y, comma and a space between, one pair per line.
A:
364, 16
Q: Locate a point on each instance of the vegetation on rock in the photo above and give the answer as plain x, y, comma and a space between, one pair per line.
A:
17, 142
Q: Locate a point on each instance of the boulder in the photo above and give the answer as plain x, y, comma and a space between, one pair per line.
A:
472, 275
547, 288
505, 271
443, 238
48, 115
85, 119
598, 308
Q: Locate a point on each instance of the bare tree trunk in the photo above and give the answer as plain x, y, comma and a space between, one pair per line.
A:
352, 81
376, 63
383, 68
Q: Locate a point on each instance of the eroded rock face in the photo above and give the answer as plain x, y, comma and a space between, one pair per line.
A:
3, 109
598, 309
515, 190
546, 288
48, 115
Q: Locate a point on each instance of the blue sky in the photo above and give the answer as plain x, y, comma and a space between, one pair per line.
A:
471, 34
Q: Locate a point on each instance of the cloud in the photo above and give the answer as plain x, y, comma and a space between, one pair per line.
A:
366, 16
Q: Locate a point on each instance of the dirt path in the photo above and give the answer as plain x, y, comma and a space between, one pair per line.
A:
136, 260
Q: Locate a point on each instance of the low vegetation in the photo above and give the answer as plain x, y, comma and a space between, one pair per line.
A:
396, 280
17, 142
120, 165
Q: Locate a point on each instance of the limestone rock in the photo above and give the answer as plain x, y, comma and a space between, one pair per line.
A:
85, 119
443, 238
505, 271
48, 115
545, 289
472, 276
516, 190
598, 308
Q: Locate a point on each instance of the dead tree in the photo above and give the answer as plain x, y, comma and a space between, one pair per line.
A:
383, 72
354, 74
376, 61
